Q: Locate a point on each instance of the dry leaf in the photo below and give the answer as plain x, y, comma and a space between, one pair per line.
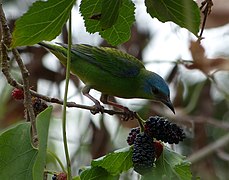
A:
201, 62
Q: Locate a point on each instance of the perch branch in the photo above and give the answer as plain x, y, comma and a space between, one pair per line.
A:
5, 44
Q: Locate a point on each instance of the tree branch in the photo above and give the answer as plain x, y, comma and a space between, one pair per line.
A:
207, 10
209, 149
182, 118
5, 44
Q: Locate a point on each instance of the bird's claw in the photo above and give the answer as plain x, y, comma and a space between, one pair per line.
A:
128, 114
97, 108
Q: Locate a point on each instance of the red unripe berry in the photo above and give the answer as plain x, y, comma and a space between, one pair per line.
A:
17, 94
62, 176
158, 148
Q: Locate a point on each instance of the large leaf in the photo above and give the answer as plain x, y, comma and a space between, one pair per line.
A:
109, 18
185, 13
17, 155
18, 158
119, 30
97, 173
109, 166
89, 10
115, 162
42, 122
43, 21
170, 165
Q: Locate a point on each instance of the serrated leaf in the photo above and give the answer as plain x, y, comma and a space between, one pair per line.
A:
89, 9
17, 155
109, 13
97, 173
184, 171
43, 21
184, 13
115, 162
121, 31
42, 122
170, 165
117, 33
110, 166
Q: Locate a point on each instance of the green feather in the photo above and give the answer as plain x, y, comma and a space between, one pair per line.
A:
108, 59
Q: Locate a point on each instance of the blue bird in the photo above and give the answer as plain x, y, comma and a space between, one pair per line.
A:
112, 72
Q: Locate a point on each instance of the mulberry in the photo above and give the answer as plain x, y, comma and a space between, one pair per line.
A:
143, 153
132, 135
161, 129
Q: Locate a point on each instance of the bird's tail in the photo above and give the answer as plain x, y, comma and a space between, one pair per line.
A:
59, 51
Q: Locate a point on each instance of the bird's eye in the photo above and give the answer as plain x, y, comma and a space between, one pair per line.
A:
155, 90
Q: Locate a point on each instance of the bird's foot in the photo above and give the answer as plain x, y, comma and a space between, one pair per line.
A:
97, 108
128, 114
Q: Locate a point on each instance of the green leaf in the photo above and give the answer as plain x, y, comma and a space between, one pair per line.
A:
109, 167
120, 31
109, 13
42, 122
185, 13
43, 21
115, 162
17, 155
76, 178
89, 9
170, 165
183, 170
97, 173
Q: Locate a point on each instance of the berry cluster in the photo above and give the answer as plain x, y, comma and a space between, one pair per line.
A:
132, 135
143, 154
146, 145
163, 130
38, 105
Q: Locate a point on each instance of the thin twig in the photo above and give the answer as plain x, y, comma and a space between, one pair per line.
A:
140, 121
5, 44
207, 10
209, 149
182, 118
6, 35
27, 95
5, 41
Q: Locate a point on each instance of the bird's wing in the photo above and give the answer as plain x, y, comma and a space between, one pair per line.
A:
109, 59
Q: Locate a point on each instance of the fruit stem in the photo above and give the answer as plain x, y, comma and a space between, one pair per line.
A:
141, 121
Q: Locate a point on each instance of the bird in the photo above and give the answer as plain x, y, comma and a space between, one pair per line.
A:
113, 73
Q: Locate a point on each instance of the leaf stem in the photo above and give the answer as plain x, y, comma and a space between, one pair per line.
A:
65, 101
57, 159
141, 121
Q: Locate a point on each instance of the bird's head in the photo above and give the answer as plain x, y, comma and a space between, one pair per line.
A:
158, 90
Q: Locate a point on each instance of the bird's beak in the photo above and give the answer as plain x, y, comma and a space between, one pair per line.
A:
169, 104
